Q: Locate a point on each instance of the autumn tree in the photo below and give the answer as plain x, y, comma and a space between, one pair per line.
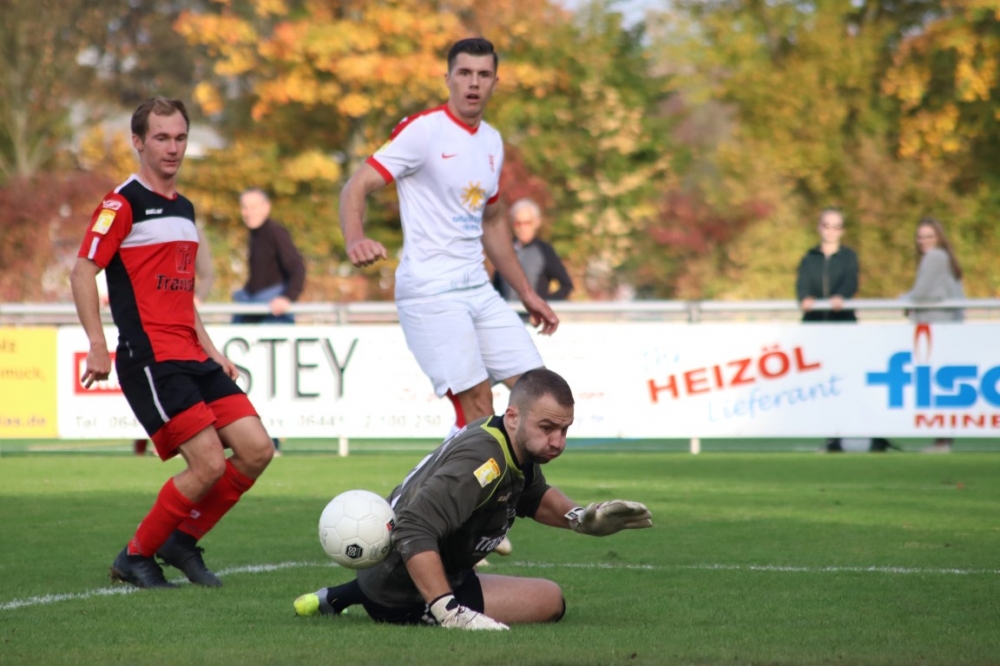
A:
594, 129
308, 89
811, 127
946, 78
81, 56
44, 218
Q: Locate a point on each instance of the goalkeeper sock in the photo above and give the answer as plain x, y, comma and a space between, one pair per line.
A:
337, 599
460, 421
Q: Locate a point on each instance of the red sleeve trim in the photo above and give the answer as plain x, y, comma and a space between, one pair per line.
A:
374, 163
402, 124
493, 199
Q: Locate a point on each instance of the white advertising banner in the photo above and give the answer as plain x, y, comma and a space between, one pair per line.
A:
304, 381
630, 380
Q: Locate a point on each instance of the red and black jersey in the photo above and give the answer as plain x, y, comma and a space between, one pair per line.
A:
147, 245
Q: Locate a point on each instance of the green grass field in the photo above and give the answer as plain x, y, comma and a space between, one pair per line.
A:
777, 558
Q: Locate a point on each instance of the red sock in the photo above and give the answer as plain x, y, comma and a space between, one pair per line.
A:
170, 508
220, 499
459, 413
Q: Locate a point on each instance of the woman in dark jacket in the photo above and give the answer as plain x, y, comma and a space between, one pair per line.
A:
828, 271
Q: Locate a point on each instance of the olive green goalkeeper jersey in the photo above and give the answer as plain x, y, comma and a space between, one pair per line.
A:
459, 501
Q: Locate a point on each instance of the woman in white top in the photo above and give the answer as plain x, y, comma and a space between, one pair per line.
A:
939, 277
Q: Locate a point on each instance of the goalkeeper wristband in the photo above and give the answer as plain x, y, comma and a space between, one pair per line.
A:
575, 517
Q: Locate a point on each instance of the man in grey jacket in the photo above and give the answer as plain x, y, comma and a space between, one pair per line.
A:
541, 264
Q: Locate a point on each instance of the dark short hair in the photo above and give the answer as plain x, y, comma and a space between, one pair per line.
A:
534, 384
256, 190
161, 106
477, 46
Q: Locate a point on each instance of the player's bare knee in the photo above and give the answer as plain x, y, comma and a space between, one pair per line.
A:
209, 470
258, 454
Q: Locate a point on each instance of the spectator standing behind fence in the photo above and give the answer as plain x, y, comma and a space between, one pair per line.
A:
939, 278
828, 271
538, 259
276, 272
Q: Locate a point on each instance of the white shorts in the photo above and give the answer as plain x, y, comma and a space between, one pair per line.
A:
463, 338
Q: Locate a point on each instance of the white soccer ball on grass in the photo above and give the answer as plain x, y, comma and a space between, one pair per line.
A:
355, 529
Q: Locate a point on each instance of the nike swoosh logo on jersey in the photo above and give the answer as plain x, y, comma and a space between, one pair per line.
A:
446, 156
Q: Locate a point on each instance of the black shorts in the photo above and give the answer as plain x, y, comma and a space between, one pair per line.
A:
175, 400
469, 594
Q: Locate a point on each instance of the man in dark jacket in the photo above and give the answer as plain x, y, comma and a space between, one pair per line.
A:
828, 271
538, 259
276, 272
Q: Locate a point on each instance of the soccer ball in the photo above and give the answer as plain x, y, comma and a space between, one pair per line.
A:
355, 529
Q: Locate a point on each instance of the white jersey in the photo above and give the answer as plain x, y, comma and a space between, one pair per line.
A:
445, 172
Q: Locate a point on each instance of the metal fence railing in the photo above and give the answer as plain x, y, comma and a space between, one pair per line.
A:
368, 312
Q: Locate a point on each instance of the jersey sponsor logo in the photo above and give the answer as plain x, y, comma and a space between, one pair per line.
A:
446, 156
493, 167
473, 197
103, 222
167, 283
153, 211
111, 204
183, 259
488, 544
487, 472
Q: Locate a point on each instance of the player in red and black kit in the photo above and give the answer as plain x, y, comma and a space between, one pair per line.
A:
180, 387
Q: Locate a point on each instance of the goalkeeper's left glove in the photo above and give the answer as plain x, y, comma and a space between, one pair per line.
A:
452, 615
604, 518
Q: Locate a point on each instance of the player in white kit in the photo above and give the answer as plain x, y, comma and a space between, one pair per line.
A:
446, 163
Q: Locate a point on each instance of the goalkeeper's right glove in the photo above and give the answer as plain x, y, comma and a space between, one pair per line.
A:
451, 615
604, 518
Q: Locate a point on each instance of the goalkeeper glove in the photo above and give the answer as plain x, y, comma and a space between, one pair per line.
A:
451, 615
604, 518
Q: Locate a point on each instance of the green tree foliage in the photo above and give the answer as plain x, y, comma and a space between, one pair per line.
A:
87, 56
39, 78
595, 130
812, 126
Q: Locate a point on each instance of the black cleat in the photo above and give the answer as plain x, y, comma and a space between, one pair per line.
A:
138, 570
181, 553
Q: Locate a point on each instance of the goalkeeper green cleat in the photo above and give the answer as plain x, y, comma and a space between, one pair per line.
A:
307, 605
314, 603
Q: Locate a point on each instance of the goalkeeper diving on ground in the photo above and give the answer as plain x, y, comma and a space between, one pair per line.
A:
457, 505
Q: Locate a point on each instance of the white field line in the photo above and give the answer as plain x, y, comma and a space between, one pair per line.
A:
767, 568
128, 589
758, 567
